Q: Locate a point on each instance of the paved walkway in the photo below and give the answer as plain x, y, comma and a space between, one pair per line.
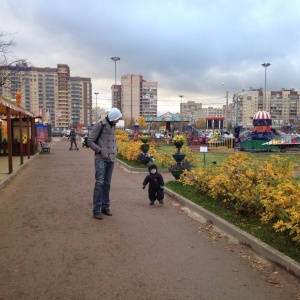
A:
4, 176
52, 248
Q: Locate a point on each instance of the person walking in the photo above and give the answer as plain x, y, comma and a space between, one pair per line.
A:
156, 185
102, 141
73, 139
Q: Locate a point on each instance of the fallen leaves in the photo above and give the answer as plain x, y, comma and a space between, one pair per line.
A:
272, 280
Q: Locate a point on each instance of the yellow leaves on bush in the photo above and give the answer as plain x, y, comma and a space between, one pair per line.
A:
235, 182
282, 204
121, 135
164, 160
131, 149
267, 189
198, 178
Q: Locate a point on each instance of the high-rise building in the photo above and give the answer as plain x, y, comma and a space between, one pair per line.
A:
80, 99
116, 96
138, 97
51, 93
62, 105
191, 109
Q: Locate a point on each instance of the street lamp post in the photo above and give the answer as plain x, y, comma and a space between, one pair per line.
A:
265, 65
96, 93
180, 96
115, 59
237, 112
226, 109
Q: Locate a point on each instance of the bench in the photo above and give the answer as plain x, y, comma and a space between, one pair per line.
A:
45, 147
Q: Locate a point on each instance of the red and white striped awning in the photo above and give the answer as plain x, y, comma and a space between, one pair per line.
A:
262, 115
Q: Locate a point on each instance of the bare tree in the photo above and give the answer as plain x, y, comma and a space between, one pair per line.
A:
7, 60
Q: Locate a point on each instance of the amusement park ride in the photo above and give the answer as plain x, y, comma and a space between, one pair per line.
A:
263, 137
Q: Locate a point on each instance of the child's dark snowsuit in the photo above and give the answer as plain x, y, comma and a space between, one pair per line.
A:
156, 185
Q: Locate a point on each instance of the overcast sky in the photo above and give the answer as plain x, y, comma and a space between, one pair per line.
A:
190, 47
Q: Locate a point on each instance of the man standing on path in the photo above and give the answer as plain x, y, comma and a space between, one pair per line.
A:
102, 140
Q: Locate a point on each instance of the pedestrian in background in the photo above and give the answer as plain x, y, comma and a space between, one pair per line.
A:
156, 185
102, 141
73, 139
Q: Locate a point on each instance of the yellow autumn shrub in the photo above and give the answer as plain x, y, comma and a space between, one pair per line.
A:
198, 178
235, 183
164, 160
267, 189
131, 149
121, 135
280, 196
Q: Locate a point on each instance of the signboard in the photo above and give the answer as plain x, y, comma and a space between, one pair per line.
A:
41, 132
203, 148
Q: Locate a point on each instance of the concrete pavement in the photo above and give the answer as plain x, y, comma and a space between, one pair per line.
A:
17, 167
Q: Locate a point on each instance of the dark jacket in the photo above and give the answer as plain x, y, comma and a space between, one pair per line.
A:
72, 135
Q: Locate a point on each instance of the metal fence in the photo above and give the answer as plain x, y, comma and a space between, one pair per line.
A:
214, 145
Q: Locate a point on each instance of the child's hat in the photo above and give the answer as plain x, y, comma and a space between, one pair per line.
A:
153, 166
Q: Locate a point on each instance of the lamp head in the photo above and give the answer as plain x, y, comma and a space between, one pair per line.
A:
266, 65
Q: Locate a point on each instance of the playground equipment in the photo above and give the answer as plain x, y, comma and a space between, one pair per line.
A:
265, 138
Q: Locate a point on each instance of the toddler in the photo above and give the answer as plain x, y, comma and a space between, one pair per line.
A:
156, 185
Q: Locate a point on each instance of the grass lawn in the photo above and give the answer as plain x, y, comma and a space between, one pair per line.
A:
221, 157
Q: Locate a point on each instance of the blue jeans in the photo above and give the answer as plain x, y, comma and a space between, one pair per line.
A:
103, 175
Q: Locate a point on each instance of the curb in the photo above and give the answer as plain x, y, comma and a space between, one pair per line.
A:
258, 246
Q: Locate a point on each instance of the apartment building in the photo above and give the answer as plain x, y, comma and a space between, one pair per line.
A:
80, 100
189, 106
283, 106
116, 93
196, 111
138, 97
52, 93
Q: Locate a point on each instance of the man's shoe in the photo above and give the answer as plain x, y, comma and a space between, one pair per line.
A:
151, 202
161, 201
106, 211
98, 216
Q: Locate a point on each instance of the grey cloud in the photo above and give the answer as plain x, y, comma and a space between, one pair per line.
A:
190, 47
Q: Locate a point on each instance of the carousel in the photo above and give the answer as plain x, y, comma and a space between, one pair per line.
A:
264, 138
261, 133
